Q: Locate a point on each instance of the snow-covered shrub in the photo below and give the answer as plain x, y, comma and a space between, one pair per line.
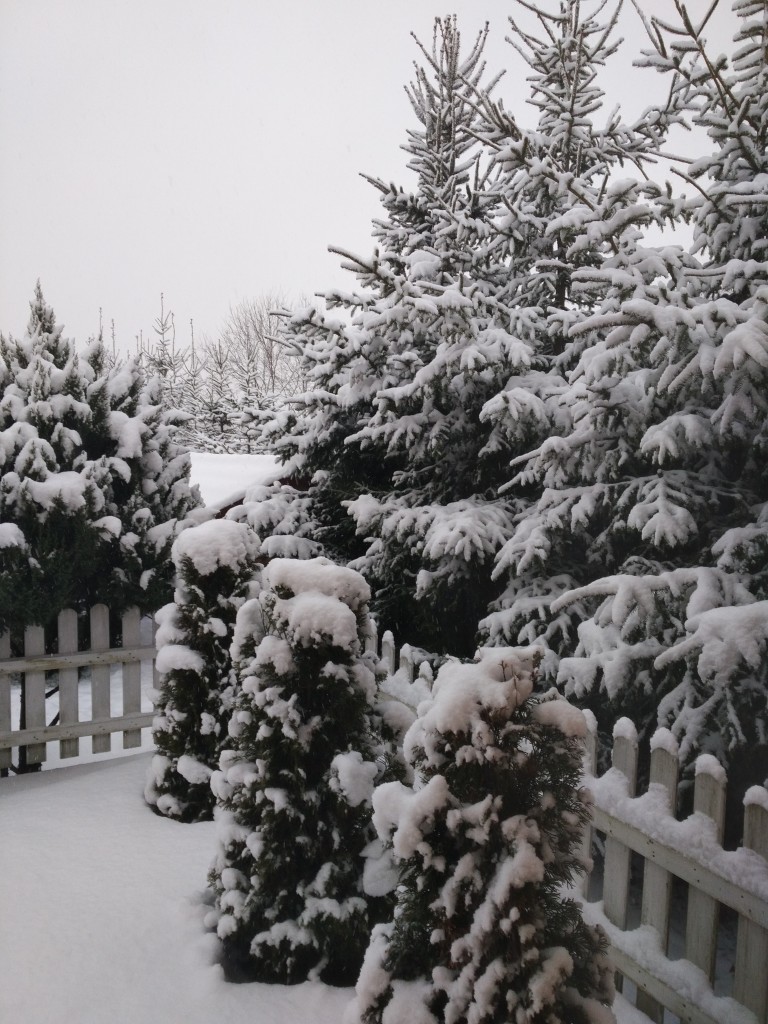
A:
215, 563
295, 787
486, 838
92, 484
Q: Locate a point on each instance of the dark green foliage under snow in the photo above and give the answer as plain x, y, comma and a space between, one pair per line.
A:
215, 564
92, 484
485, 839
295, 787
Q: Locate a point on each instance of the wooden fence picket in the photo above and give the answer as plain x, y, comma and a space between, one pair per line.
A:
69, 696
704, 911
617, 855
406, 662
33, 703
750, 983
100, 676
388, 652
131, 675
657, 881
590, 768
5, 700
371, 638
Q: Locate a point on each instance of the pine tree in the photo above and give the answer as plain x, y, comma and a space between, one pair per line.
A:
215, 564
485, 839
92, 481
295, 787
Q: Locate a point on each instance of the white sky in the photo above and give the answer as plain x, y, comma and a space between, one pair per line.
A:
211, 149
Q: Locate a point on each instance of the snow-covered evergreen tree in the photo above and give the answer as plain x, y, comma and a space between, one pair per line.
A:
485, 840
582, 218
215, 564
662, 479
295, 787
398, 377
93, 485
449, 361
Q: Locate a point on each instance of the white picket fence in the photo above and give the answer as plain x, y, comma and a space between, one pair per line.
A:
691, 851
39, 673
641, 828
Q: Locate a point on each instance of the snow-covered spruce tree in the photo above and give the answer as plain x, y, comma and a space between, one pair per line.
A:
485, 840
215, 564
397, 381
665, 476
431, 536
296, 785
576, 221
93, 485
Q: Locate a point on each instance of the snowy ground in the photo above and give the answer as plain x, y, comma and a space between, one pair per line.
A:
102, 912
102, 907
222, 478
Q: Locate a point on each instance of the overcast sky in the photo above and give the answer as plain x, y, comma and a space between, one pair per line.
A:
211, 149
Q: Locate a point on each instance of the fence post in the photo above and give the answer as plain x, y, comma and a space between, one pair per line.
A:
131, 675
33, 701
617, 856
100, 676
69, 709
5, 703
657, 882
703, 910
750, 984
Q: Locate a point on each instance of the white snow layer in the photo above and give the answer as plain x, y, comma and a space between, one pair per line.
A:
318, 575
354, 776
462, 692
102, 912
217, 543
11, 536
223, 479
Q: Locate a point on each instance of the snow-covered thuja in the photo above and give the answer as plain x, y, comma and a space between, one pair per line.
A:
486, 841
215, 564
92, 485
295, 787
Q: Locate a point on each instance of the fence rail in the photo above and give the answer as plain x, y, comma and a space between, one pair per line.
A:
43, 673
